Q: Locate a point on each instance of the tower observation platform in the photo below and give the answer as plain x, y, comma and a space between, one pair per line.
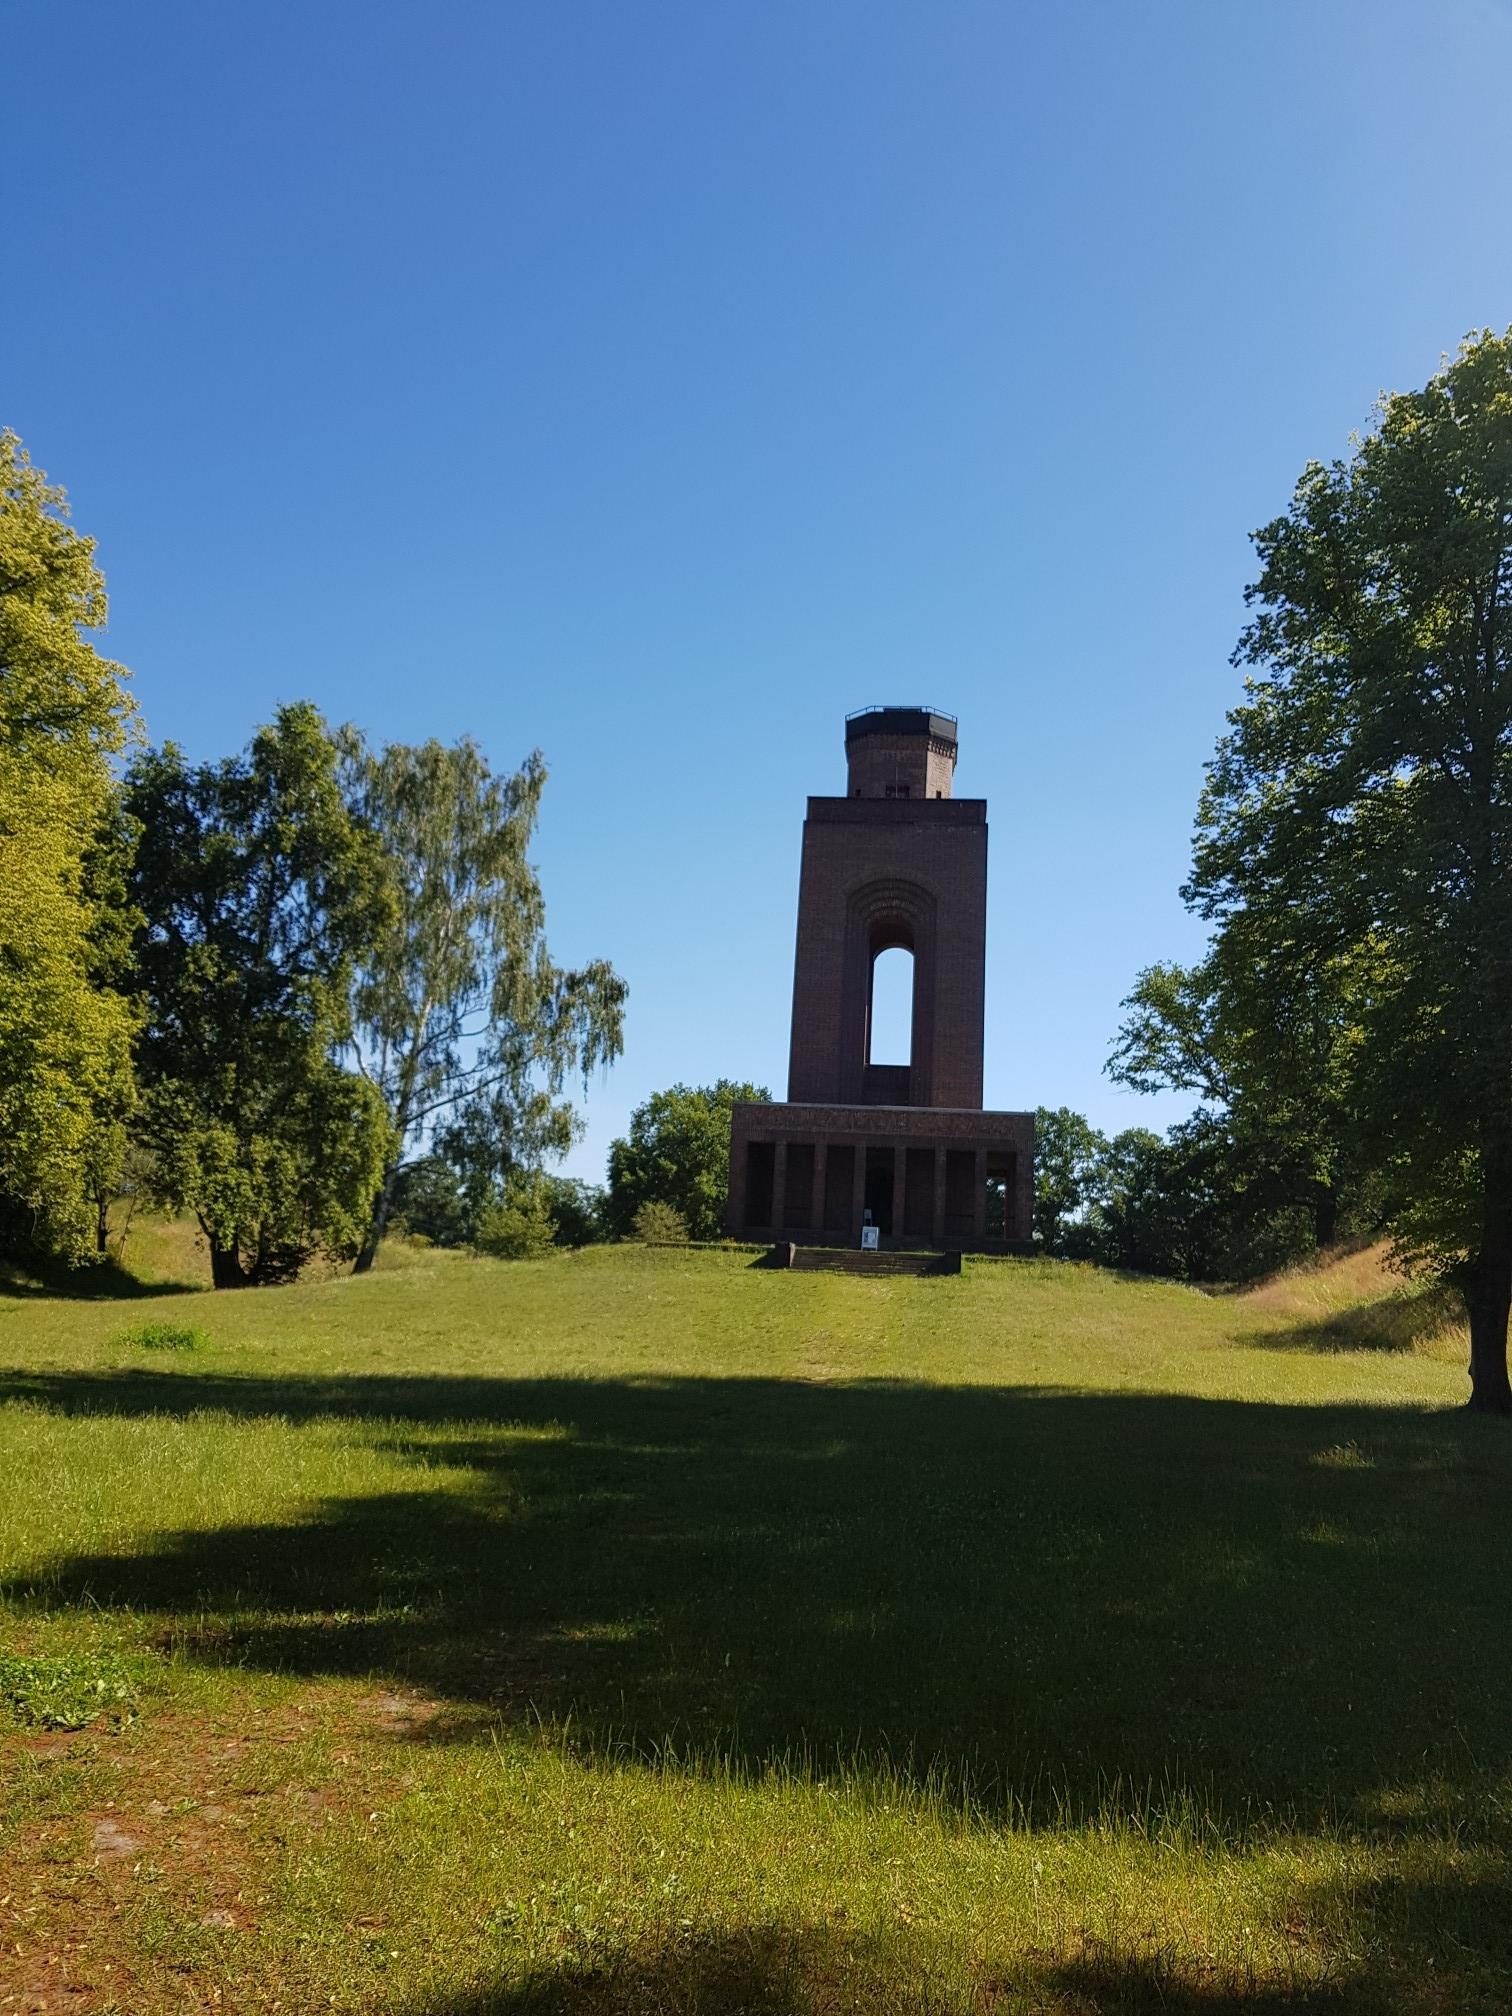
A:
897, 863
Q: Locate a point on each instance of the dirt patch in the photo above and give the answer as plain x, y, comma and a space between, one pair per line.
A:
112, 1843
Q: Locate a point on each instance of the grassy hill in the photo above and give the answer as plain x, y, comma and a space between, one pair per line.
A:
644, 1631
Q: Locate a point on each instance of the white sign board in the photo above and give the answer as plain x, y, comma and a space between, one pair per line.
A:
869, 1236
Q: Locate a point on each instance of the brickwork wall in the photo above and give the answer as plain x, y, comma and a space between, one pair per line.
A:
877, 873
917, 766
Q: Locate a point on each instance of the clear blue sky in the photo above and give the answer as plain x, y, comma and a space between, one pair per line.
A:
653, 384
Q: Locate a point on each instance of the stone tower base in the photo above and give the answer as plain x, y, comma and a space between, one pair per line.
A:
947, 1178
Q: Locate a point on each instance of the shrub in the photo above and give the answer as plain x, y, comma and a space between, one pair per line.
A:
165, 1337
518, 1225
657, 1224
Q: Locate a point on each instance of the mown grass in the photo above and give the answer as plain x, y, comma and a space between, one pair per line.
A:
645, 1631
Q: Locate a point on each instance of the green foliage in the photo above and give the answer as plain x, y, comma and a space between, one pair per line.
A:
658, 1224
69, 1692
677, 1153
577, 1209
1068, 1154
1268, 1041
518, 1225
460, 1017
1360, 807
165, 1337
65, 1028
1202, 1204
257, 887
428, 1201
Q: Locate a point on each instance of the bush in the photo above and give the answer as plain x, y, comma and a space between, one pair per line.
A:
165, 1337
518, 1225
657, 1224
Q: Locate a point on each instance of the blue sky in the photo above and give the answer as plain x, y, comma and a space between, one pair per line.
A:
653, 384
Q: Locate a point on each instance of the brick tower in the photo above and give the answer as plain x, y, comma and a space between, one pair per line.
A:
897, 862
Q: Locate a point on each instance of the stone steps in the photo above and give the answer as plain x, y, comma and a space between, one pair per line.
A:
850, 1260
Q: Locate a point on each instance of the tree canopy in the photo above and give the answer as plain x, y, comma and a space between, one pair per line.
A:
257, 888
1359, 809
65, 1023
461, 1020
677, 1153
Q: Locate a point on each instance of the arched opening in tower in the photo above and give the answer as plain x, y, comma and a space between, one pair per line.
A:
889, 1028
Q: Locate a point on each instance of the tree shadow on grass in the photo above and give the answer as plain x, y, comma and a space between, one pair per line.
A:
96, 1281
1404, 1321
771, 1974
1415, 1949
1031, 1600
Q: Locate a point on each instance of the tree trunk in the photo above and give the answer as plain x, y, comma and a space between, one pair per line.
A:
1325, 1214
102, 1225
226, 1270
378, 1222
1488, 1292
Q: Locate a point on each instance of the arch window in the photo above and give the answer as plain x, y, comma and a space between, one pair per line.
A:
889, 1022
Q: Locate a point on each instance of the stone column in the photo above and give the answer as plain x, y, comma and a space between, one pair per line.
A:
979, 1207
900, 1188
938, 1220
779, 1186
858, 1196
816, 1216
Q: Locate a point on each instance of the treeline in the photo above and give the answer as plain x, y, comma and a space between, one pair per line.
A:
1200, 1203
256, 989
667, 1182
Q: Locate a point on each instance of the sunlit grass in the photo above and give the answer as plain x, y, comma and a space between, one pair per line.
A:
645, 1631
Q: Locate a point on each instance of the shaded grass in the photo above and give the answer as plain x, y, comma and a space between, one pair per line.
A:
1028, 1641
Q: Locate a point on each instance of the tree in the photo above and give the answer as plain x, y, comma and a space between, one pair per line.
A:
518, 1224
65, 1023
678, 1153
257, 888
1068, 1154
577, 1209
1361, 804
463, 1024
1266, 1040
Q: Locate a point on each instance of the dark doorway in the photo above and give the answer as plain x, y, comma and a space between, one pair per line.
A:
879, 1188
960, 1199
760, 1170
839, 1183
798, 1192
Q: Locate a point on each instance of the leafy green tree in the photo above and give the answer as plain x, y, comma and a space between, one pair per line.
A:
65, 1024
1361, 804
462, 1022
257, 888
1267, 1040
1068, 1153
428, 1201
677, 1152
577, 1209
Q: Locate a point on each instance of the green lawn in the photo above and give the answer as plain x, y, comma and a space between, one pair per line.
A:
645, 1631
